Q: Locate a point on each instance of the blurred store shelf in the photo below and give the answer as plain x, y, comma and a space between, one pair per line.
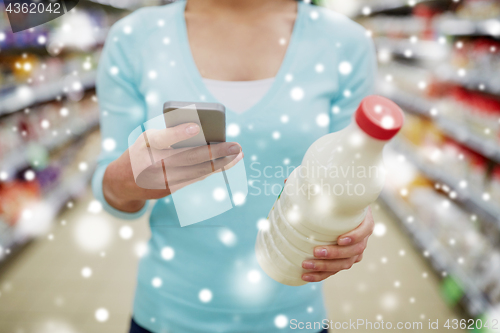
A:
439, 62
409, 48
424, 107
387, 6
18, 159
474, 79
25, 96
441, 260
451, 25
471, 200
12, 238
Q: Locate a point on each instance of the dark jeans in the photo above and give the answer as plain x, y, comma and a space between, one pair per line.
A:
134, 328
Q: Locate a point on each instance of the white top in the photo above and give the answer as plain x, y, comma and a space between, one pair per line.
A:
238, 96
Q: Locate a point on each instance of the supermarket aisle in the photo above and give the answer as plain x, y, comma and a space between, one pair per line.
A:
393, 283
46, 288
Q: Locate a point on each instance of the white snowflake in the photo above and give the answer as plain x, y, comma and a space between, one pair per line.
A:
152, 98
141, 249
322, 120
205, 295
41, 40
152, 75
86, 272
4, 175
389, 302
127, 30
109, 144
101, 315
219, 194
114, 70
227, 237
157, 282
29, 175
380, 229
167, 253
297, 93
126, 232
280, 321
345, 68
239, 198
254, 276
263, 224
82, 166
94, 207
387, 122
233, 130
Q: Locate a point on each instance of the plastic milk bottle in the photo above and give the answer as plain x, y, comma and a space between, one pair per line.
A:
328, 195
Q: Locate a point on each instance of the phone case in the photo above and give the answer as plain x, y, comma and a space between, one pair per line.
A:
211, 118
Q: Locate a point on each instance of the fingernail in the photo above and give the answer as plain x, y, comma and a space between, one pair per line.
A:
345, 241
308, 278
320, 252
233, 150
192, 129
308, 265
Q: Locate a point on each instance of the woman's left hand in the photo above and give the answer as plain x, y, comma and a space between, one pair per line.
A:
332, 259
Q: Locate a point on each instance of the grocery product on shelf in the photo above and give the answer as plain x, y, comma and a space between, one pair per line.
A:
14, 196
494, 187
478, 10
459, 238
38, 150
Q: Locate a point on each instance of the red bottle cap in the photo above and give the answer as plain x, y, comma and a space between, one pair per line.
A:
379, 117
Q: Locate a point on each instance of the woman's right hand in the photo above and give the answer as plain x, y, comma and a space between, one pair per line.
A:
151, 169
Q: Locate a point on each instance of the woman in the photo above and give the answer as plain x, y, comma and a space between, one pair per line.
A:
288, 72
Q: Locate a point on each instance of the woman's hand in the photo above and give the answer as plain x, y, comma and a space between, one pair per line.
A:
332, 259
151, 169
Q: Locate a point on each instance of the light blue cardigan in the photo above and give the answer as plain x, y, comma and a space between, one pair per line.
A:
213, 282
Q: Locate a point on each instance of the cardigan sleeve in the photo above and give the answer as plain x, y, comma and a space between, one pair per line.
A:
122, 106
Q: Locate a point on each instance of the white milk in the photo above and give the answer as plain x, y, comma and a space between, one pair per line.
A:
328, 195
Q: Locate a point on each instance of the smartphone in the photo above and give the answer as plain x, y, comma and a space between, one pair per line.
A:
210, 116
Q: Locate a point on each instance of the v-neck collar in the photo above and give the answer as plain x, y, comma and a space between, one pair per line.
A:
196, 79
